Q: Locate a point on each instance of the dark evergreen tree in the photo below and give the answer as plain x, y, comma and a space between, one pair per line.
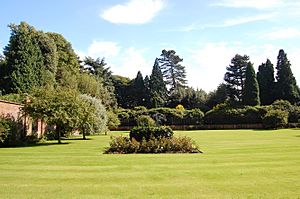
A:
123, 90
235, 77
173, 72
266, 82
139, 94
286, 86
218, 96
24, 60
147, 90
2, 74
157, 87
251, 88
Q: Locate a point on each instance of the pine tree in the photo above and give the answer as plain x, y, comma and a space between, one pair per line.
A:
235, 77
139, 94
157, 87
251, 88
24, 60
286, 85
266, 81
173, 72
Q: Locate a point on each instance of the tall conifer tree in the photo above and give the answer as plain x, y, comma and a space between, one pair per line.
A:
251, 88
235, 77
266, 81
24, 59
157, 87
286, 85
173, 72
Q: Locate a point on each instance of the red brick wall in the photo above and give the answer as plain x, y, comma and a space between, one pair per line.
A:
10, 109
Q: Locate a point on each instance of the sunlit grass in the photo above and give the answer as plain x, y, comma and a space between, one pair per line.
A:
235, 164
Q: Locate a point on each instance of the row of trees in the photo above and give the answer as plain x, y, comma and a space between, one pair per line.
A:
62, 90
35, 59
244, 87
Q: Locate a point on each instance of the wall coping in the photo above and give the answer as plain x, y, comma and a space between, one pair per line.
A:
9, 102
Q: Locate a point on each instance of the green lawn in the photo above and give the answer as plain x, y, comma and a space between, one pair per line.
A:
235, 164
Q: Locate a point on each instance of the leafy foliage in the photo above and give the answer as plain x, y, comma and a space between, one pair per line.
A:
65, 109
124, 145
24, 60
147, 132
275, 119
145, 120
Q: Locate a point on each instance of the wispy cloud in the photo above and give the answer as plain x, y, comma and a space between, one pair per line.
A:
226, 23
257, 4
248, 19
286, 33
133, 12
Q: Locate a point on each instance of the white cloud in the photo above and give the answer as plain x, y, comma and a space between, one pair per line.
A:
133, 12
131, 62
286, 33
206, 65
123, 61
257, 4
105, 49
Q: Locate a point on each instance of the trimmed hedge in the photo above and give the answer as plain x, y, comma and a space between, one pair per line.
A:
140, 133
124, 145
227, 115
275, 119
161, 116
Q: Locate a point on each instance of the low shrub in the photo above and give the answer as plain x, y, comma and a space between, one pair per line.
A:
146, 132
124, 145
7, 132
145, 120
11, 136
193, 117
275, 119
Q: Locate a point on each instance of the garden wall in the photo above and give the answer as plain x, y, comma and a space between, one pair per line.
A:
201, 127
12, 111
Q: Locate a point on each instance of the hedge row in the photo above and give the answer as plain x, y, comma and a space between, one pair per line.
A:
221, 114
160, 116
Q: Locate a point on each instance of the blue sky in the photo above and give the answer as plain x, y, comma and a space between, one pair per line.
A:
130, 34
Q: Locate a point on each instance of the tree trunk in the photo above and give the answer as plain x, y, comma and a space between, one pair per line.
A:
59, 134
83, 134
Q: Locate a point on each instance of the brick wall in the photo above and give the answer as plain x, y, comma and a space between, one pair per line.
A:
13, 111
10, 110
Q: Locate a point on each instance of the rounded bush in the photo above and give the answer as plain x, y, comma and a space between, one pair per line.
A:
145, 120
140, 133
275, 119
